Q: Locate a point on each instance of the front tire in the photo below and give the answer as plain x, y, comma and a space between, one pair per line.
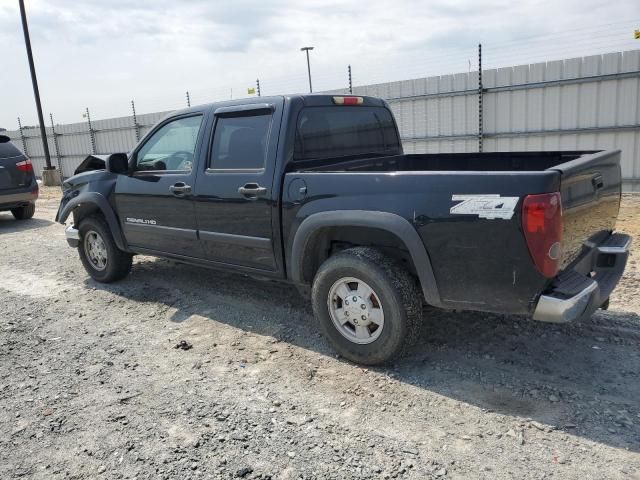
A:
367, 305
99, 254
24, 213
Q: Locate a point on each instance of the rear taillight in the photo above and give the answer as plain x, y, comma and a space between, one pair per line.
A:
542, 225
25, 166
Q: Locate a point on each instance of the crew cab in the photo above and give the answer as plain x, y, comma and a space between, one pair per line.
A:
316, 190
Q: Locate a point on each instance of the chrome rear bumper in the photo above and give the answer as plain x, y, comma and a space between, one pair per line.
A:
73, 236
575, 295
557, 310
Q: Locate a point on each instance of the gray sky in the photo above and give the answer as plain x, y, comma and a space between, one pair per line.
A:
103, 53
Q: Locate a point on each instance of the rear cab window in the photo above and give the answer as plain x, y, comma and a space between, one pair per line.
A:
341, 131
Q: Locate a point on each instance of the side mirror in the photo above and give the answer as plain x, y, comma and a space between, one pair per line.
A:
118, 163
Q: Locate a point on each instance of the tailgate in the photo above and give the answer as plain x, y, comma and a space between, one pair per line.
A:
590, 188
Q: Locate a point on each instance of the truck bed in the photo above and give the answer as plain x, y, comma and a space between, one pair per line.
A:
430, 162
490, 254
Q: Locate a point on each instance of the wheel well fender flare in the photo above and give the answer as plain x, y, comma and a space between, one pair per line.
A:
100, 204
387, 221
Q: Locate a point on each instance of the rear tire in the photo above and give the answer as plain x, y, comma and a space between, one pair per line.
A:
24, 213
367, 305
99, 254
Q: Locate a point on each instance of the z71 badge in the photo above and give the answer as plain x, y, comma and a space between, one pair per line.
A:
490, 206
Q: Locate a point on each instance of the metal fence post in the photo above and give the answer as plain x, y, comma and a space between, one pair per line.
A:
136, 127
23, 138
91, 133
480, 95
58, 156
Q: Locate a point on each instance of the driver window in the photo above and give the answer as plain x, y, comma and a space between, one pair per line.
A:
171, 148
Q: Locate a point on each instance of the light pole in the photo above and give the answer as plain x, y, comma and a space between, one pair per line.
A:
306, 49
34, 81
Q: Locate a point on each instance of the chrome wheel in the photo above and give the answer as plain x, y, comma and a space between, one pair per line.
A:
356, 310
96, 250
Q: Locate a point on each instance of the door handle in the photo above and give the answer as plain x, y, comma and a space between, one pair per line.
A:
252, 190
180, 188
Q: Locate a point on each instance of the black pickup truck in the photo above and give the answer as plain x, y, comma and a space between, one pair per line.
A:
315, 190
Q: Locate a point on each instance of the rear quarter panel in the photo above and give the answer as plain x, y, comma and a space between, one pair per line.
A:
479, 264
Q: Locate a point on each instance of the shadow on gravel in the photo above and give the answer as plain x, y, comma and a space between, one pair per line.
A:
8, 224
582, 378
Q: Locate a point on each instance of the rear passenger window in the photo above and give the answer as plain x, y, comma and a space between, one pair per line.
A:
240, 142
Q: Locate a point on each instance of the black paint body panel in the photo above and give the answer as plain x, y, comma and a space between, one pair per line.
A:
478, 264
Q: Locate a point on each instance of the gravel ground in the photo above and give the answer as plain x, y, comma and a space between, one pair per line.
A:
181, 372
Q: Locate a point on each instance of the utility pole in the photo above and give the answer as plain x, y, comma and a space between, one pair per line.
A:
188, 100
258, 86
34, 81
306, 49
350, 84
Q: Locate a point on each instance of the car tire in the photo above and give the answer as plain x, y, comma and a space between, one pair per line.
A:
385, 305
100, 256
24, 213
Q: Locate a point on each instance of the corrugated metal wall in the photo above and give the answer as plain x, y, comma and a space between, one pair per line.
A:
74, 140
574, 104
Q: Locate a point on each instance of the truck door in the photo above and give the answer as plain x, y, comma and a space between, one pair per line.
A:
233, 196
154, 201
